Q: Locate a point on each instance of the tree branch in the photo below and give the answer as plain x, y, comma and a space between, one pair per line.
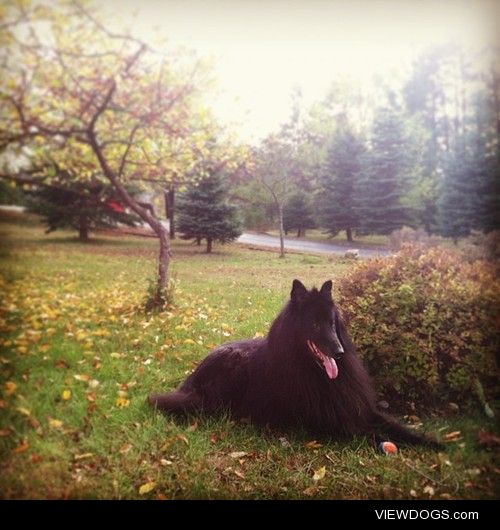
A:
120, 188
104, 29
127, 149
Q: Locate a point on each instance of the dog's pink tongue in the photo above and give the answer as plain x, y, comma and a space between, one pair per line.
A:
330, 367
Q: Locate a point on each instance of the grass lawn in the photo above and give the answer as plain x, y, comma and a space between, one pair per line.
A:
79, 358
316, 234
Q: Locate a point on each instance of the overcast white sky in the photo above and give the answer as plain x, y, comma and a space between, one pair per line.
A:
263, 48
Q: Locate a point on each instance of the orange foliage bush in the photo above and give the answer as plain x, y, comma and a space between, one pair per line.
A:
426, 323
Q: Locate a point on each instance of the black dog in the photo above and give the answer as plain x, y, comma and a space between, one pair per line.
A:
305, 373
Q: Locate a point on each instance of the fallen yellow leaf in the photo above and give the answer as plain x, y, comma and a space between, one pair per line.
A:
319, 474
429, 490
10, 388
452, 436
83, 456
82, 377
122, 402
239, 474
125, 448
56, 424
183, 438
313, 444
310, 491
21, 448
146, 488
238, 454
66, 395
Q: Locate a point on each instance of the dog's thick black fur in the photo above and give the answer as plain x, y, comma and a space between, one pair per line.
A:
304, 374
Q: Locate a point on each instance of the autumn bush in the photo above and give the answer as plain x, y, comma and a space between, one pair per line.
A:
407, 235
426, 324
482, 246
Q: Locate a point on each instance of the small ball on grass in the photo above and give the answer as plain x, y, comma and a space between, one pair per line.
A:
388, 448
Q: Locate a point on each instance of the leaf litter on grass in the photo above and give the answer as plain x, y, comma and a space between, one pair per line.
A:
55, 327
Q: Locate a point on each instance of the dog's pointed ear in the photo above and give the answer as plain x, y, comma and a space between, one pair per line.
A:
326, 290
298, 291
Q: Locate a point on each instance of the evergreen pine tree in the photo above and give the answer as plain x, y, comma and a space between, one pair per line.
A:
381, 195
470, 191
486, 157
488, 168
80, 206
435, 94
204, 213
298, 214
457, 196
340, 182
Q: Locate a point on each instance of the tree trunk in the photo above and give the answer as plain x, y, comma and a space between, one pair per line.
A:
299, 232
158, 299
170, 209
435, 143
83, 228
427, 226
209, 245
167, 206
163, 262
146, 215
198, 241
282, 237
348, 233
496, 100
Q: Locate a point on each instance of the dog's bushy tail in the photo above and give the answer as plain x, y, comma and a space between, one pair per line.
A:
384, 423
177, 403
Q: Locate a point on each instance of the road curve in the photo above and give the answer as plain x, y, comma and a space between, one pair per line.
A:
264, 240
316, 247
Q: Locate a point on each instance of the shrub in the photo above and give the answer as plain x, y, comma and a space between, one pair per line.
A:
405, 235
426, 324
482, 246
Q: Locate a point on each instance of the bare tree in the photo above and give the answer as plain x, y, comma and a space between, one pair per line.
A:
274, 165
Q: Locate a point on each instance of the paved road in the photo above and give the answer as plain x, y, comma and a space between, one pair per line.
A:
262, 240
315, 247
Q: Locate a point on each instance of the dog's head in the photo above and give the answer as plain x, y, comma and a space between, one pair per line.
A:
319, 326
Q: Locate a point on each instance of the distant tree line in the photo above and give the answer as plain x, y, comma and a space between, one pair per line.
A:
419, 152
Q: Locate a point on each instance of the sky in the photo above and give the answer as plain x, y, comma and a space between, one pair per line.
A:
262, 49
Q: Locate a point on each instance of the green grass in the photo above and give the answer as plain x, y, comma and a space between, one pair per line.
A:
367, 241
71, 310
